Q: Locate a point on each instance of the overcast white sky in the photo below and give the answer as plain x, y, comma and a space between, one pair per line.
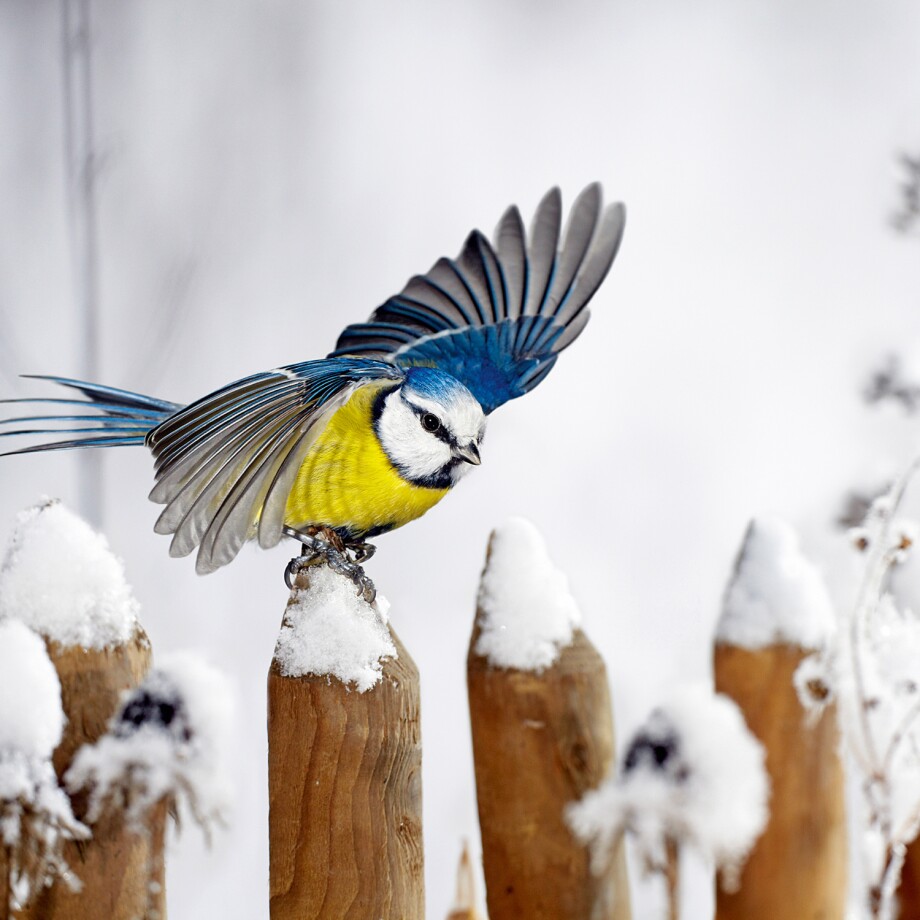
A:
273, 171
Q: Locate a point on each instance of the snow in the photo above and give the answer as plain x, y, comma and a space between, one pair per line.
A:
31, 718
169, 739
693, 773
527, 613
61, 579
35, 814
329, 630
775, 595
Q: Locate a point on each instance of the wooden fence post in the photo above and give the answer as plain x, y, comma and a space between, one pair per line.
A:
61, 580
798, 868
113, 865
542, 738
345, 819
909, 888
465, 902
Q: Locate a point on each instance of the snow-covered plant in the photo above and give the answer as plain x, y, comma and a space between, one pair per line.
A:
165, 744
872, 670
692, 775
35, 814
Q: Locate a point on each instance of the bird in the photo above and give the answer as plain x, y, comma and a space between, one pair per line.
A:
339, 450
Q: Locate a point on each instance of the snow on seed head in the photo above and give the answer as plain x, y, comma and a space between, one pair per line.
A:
169, 740
693, 773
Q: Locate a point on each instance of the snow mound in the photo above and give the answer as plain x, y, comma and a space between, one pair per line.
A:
169, 739
61, 579
329, 630
527, 613
775, 595
31, 718
692, 773
35, 815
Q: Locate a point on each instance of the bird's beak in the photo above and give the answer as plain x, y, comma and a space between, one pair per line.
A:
469, 453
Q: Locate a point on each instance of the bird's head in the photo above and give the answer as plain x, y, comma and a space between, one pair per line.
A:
430, 427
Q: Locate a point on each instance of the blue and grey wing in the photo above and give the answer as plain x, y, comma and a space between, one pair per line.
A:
226, 464
497, 317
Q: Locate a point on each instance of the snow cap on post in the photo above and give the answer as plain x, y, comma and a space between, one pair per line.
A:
693, 773
61, 579
775, 595
329, 630
527, 614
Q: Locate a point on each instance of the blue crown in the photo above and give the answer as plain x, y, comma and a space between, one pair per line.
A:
433, 384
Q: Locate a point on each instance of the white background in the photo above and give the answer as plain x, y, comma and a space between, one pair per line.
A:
272, 171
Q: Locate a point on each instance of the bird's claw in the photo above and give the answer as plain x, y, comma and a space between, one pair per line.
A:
362, 551
315, 550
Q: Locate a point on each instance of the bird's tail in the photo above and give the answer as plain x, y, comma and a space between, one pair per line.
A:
107, 418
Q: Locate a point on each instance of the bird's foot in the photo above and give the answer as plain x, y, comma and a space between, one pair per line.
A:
361, 552
316, 550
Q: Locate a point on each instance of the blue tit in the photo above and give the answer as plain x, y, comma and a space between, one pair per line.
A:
338, 450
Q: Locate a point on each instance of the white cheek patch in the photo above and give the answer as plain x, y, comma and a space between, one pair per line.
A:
462, 417
416, 452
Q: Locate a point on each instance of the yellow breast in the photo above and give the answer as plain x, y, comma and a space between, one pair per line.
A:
347, 482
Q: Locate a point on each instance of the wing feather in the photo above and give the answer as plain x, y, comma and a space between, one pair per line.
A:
228, 462
218, 485
578, 232
544, 242
511, 250
497, 317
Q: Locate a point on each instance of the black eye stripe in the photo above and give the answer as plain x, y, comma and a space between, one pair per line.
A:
441, 433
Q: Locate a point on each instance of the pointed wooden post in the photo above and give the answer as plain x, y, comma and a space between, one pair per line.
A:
344, 764
113, 865
465, 902
99, 650
542, 737
909, 889
776, 612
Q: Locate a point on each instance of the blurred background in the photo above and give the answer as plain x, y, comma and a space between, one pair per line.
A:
266, 173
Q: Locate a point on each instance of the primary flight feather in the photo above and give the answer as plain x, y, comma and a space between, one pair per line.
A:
372, 436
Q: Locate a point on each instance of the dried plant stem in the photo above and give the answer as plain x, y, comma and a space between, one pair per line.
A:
877, 766
671, 870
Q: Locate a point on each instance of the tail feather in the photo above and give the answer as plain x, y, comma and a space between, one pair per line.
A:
122, 418
102, 394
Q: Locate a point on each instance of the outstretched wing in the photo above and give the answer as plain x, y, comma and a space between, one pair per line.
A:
226, 464
497, 317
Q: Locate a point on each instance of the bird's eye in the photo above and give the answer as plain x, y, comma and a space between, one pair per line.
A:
430, 422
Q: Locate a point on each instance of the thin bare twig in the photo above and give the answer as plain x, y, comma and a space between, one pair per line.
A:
81, 169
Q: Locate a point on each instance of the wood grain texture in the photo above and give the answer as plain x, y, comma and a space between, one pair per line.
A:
345, 797
798, 868
114, 865
540, 742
